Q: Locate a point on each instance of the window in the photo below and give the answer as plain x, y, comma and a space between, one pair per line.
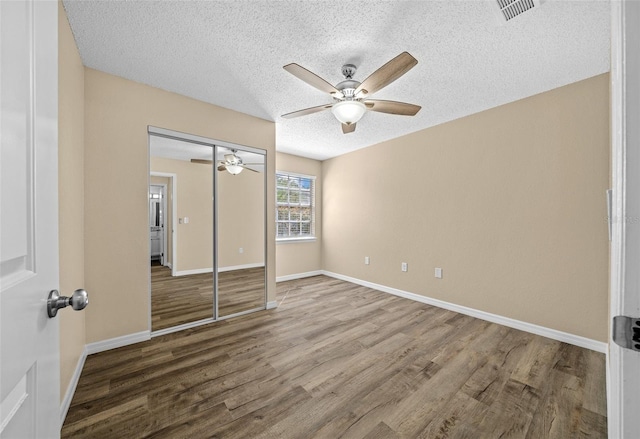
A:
295, 206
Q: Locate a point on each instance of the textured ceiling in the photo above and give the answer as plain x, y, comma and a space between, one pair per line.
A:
231, 53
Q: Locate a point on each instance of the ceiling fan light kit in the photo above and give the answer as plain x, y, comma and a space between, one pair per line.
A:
234, 169
348, 111
351, 97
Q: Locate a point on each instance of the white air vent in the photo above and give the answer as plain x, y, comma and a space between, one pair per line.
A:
509, 9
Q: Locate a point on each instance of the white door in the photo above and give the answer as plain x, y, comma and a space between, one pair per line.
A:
29, 340
624, 364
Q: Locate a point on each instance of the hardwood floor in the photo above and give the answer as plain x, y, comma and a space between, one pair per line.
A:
184, 299
180, 299
241, 290
337, 360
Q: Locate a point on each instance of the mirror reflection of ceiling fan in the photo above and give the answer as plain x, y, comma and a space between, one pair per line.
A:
232, 163
351, 98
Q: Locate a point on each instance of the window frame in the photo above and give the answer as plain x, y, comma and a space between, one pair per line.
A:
296, 238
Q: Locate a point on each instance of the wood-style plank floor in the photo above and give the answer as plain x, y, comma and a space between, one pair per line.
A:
337, 360
241, 290
184, 299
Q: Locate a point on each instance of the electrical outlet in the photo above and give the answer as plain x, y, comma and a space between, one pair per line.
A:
438, 273
240, 250
366, 260
404, 266
186, 220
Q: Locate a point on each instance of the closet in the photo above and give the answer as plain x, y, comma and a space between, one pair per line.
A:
213, 218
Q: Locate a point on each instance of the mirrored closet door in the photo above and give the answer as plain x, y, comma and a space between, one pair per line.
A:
241, 231
182, 280
206, 230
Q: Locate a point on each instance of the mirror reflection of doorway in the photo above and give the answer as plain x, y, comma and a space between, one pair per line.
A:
157, 230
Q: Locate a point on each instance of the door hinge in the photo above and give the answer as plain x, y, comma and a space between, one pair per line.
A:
626, 332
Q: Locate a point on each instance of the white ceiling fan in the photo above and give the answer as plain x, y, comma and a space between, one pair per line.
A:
351, 98
232, 163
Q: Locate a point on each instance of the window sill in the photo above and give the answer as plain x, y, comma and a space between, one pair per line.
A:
294, 240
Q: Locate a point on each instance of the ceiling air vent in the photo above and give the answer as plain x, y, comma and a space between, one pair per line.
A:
510, 9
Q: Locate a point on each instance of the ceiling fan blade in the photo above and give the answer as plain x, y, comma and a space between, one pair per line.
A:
392, 107
386, 74
346, 129
202, 162
307, 111
248, 169
312, 79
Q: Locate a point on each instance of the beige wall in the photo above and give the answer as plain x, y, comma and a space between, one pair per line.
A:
70, 195
509, 202
241, 219
302, 256
117, 113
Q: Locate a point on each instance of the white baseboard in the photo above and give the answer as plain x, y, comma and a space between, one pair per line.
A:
553, 334
299, 275
117, 342
272, 305
71, 388
182, 327
220, 270
240, 267
194, 271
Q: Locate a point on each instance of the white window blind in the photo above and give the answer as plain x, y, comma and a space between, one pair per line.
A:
295, 205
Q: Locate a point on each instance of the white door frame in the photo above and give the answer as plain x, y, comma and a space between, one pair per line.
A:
163, 203
623, 379
174, 216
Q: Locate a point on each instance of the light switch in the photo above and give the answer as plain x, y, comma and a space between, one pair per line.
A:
439, 273
186, 220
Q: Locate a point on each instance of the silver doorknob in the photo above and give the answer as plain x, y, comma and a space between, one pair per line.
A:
78, 301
